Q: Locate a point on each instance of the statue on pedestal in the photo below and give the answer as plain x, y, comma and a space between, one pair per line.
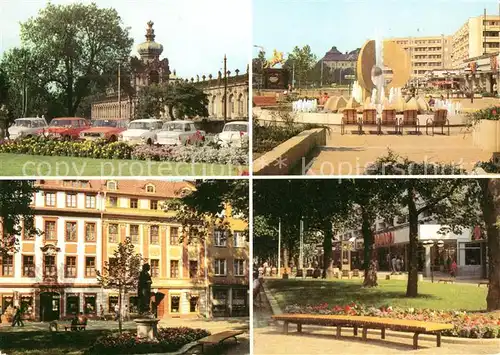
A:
144, 291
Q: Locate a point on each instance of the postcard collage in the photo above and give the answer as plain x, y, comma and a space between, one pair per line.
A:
249, 177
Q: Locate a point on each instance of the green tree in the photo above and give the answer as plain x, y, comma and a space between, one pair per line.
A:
121, 272
205, 208
151, 102
16, 212
185, 99
302, 60
451, 202
78, 43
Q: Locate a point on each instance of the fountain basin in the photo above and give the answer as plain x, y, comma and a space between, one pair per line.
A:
147, 328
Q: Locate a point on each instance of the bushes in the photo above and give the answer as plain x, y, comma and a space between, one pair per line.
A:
490, 113
208, 153
169, 340
100, 149
466, 325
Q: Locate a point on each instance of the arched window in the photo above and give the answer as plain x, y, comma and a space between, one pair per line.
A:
214, 106
231, 103
154, 77
150, 188
240, 105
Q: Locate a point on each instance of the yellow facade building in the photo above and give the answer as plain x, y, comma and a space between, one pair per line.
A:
53, 275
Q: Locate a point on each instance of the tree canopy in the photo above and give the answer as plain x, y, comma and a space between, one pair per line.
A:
302, 60
73, 46
17, 214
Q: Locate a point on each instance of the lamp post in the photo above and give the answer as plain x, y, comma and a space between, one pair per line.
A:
225, 89
119, 90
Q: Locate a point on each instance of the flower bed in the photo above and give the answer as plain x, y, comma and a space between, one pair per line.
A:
466, 325
101, 149
490, 113
169, 340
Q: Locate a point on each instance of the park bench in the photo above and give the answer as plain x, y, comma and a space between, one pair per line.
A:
401, 325
484, 282
219, 338
74, 327
355, 273
369, 119
446, 280
389, 119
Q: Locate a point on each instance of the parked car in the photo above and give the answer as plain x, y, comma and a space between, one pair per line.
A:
108, 129
141, 131
66, 127
179, 133
233, 134
27, 127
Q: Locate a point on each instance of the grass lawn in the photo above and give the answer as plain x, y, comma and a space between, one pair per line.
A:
31, 165
44, 342
389, 292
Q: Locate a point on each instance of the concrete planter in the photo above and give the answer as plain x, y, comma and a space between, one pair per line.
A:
486, 135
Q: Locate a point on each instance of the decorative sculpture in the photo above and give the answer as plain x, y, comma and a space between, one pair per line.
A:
144, 290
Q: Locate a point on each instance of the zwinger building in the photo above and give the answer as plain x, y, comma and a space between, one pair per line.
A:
53, 276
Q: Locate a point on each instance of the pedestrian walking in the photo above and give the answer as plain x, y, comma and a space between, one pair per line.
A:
127, 314
101, 311
453, 271
117, 312
17, 320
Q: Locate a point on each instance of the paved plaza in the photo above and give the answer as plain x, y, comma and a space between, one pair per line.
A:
350, 154
268, 339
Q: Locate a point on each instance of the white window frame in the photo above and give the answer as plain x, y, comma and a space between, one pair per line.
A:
238, 239
217, 266
73, 198
218, 235
90, 201
239, 267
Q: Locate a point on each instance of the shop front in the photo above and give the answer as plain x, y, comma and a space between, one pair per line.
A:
230, 301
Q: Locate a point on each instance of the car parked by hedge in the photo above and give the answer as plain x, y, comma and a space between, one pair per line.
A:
141, 131
27, 127
233, 134
65, 127
108, 129
179, 133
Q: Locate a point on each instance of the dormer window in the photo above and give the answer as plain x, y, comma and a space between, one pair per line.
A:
111, 185
150, 188
184, 192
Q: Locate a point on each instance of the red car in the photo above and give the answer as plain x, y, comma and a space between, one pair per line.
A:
66, 127
109, 129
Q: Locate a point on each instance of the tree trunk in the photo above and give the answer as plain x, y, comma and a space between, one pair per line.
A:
327, 250
285, 260
412, 286
491, 211
370, 279
120, 296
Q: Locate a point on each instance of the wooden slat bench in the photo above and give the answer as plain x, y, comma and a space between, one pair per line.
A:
401, 325
446, 281
73, 327
485, 282
219, 338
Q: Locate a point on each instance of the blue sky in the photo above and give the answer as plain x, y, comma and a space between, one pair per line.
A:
347, 24
191, 32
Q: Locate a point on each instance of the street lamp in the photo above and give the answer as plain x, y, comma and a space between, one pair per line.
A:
429, 244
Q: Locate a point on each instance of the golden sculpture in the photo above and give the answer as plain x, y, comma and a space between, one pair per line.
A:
277, 58
395, 57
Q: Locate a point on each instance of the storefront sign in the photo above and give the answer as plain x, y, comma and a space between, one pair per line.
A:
384, 239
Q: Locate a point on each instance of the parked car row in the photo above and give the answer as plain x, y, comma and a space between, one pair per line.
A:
142, 131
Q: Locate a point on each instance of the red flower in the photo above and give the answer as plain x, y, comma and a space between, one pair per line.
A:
244, 173
494, 112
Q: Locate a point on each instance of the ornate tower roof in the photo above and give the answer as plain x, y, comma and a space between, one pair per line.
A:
150, 49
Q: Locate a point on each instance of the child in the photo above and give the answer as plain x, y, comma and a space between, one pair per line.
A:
453, 270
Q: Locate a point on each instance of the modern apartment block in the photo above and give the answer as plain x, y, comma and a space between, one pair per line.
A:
53, 275
477, 36
426, 53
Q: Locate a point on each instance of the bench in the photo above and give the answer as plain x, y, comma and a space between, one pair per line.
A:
486, 282
401, 325
219, 338
452, 281
76, 327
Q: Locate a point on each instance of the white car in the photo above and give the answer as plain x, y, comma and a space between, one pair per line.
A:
27, 127
141, 131
233, 134
179, 133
